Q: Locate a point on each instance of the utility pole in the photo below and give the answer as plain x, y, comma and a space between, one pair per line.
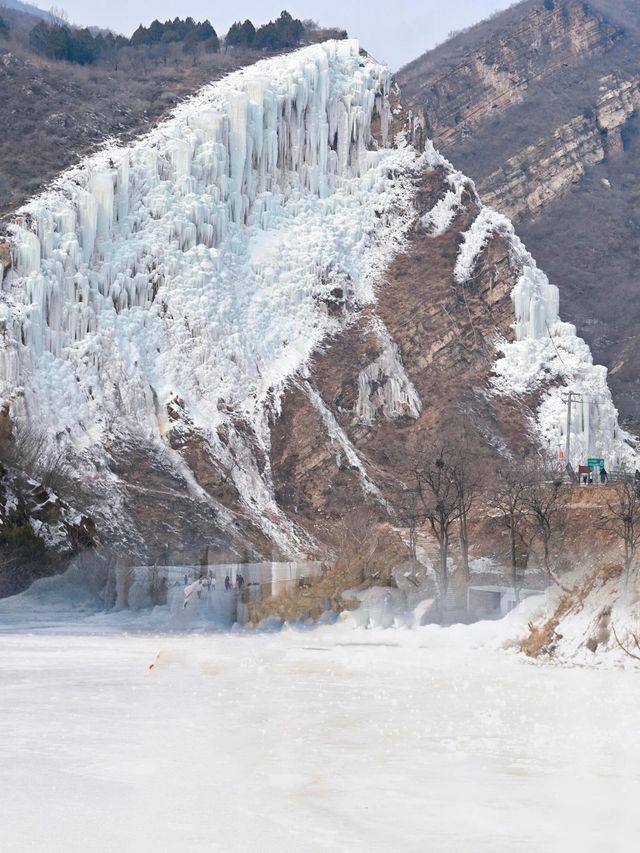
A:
567, 451
570, 398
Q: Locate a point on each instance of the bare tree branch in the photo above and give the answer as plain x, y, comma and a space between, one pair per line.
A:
624, 649
622, 518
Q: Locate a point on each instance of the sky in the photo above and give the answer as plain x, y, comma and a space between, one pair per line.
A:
393, 31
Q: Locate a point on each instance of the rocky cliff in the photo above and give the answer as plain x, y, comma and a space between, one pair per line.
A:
539, 106
529, 182
248, 321
459, 86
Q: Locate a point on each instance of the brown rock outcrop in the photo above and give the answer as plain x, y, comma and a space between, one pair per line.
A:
541, 173
458, 89
325, 458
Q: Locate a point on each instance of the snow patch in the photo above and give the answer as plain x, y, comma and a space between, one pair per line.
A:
443, 214
487, 223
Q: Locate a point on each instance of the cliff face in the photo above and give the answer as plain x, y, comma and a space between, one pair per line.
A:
539, 106
533, 179
406, 367
459, 89
250, 320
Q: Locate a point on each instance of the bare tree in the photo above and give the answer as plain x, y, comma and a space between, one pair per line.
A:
437, 489
465, 474
636, 641
443, 485
59, 16
35, 453
622, 517
509, 499
546, 506
366, 550
411, 515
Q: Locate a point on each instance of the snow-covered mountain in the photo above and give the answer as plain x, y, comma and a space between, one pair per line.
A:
191, 299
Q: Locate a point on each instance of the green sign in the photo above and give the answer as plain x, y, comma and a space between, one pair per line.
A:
593, 462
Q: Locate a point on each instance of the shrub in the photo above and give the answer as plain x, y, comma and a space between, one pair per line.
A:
187, 31
63, 43
23, 545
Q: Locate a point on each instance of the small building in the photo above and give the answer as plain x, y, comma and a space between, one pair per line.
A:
494, 602
583, 474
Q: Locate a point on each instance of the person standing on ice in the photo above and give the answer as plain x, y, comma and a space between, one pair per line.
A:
239, 581
227, 583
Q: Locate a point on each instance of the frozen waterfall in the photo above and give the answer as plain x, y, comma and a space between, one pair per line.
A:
193, 264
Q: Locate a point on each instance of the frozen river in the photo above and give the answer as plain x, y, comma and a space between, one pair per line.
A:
332, 739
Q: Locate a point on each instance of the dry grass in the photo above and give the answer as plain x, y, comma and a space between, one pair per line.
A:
300, 604
542, 638
365, 554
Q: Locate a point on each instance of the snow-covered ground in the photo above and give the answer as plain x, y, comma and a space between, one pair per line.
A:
331, 739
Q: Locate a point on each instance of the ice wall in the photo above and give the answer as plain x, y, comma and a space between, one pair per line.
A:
193, 265
545, 348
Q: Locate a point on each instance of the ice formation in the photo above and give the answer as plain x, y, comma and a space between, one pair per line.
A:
194, 268
443, 214
194, 265
383, 386
546, 350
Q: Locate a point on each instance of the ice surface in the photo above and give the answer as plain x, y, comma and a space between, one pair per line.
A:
331, 739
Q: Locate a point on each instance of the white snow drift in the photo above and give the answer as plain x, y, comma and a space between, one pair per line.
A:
364, 741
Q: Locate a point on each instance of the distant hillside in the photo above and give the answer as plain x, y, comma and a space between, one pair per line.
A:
539, 105
27, 8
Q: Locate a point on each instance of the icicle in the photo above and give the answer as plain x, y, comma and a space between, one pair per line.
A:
195, 260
